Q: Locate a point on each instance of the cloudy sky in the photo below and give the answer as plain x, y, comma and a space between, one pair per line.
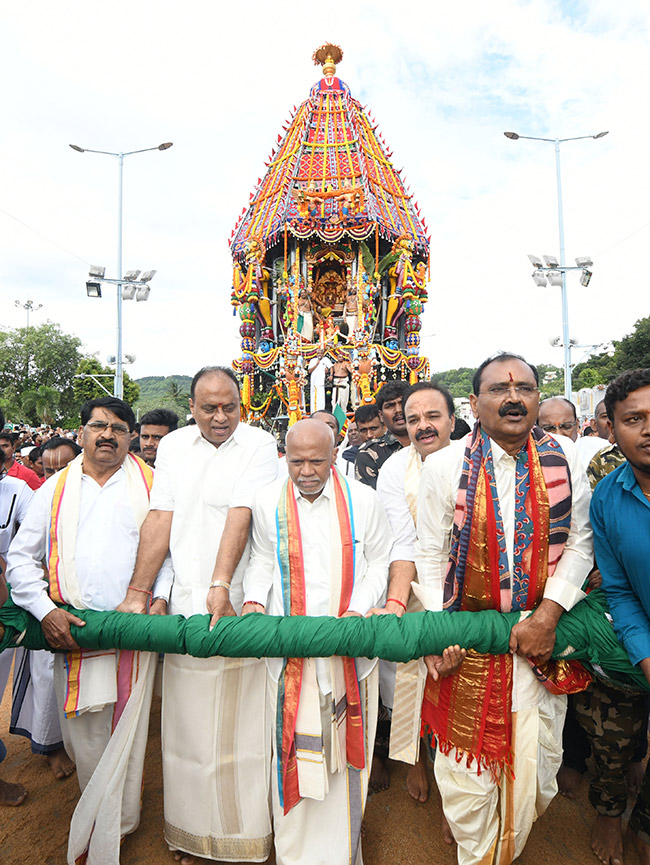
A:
218, 79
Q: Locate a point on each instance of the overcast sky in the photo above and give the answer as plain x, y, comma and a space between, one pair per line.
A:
444, 81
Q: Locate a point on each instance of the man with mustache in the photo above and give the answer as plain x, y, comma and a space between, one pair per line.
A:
373, 454
429, 413
84, 524
502, 524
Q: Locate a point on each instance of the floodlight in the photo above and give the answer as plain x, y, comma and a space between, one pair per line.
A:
512, 135
584, 262
131, 275
540, 278
97, 272
93, 289
585, 279
110, 359
128, 292
555, 341
167, 144
129, 358
147, 276
554, 277
142, 293
551, 261
535, 261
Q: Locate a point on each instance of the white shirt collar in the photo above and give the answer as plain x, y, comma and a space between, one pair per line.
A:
325, 492
236, 436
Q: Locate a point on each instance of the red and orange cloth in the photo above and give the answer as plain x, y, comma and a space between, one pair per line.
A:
111, 681
471, 710
299, 741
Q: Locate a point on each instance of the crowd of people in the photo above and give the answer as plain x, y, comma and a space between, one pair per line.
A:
404, 510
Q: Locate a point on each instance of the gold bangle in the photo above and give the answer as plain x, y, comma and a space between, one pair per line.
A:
220, 584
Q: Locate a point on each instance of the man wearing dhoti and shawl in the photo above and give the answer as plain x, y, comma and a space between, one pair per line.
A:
215, 757
320, 547
84, 523
502, 524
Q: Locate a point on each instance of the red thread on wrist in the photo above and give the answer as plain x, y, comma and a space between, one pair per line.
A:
395, 601
143, 591
256, 603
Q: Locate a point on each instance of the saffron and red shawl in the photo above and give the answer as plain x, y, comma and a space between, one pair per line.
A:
471, 710
346, 709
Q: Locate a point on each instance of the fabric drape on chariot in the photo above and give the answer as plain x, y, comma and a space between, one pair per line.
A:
584, 634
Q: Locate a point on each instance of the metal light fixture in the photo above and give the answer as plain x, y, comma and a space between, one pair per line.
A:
584, 262
142, 293
93, 289
585, 279
539, 277
551, 261
128, 292
554, 277
131, 275
148, 275
96, 271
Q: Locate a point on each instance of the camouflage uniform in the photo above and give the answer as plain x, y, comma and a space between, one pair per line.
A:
616, 723
371, 457
604, 462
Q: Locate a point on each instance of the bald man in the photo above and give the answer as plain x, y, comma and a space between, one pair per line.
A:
304, 529
558, 417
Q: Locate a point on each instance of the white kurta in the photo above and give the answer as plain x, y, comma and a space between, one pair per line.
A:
105, 552
313, 832
215, 758
472, 802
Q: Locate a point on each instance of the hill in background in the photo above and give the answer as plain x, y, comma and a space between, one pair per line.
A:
158, 391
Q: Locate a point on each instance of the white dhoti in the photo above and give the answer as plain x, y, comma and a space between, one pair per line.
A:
491, 822
216, 758
34, 711
328, 831
110, 763
341, 391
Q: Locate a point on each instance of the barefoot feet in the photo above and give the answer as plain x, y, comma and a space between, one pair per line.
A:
607, 840
379, 778
417, 780
568, 781
447, 837
60, 764
12, 794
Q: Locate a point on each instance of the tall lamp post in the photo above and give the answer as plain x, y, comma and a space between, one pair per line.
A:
28, 306
565, 306
119, 372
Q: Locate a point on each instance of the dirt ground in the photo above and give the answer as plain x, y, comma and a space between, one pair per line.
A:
397, 829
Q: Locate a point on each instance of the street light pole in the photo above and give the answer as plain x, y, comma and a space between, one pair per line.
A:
118, 387
560, 216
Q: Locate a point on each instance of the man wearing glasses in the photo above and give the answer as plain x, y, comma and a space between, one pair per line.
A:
502, 524
558, 417
83, 525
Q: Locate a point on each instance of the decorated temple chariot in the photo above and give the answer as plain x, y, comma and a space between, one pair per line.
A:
330, 264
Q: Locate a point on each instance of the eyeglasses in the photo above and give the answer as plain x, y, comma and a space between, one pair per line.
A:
100, 426
525, 390
557, 427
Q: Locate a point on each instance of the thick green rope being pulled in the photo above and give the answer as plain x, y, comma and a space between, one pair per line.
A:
584, 634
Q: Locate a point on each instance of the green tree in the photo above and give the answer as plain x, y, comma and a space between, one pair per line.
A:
86, 388
633, 351
31, 357
41, 402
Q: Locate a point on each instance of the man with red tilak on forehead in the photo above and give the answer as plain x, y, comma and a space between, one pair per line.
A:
502, 524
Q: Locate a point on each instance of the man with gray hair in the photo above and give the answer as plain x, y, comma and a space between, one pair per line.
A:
320, 547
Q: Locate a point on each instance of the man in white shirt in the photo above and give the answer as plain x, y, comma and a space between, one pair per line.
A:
84, 523
215, 757
558, 416
494, 716
320, 546
429, 414
317, 368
